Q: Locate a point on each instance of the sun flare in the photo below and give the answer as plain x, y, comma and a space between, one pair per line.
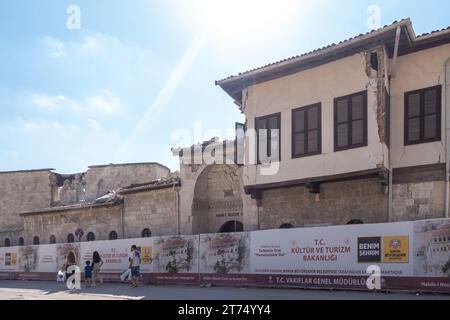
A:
233, 18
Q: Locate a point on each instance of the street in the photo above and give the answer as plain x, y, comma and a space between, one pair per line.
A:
37, 290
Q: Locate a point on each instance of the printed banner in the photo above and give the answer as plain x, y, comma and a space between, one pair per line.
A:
9, 259
225, 253
176, 254
411, 256
432, 248
333, 251
115, 254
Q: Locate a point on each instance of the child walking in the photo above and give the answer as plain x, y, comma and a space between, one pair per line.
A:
88, 274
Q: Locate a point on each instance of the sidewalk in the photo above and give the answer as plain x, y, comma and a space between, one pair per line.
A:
37, 290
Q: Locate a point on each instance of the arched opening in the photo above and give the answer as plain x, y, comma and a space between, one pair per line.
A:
355, 221
90, 236
52, 239
287, 226
70, 238
21, 241
7, 242
146, 233
232, 226
36, 241
217, 198
113, 235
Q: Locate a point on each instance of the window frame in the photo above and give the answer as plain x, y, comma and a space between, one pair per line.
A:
90, 237
350, 120
306, 130
438, 113
269, 137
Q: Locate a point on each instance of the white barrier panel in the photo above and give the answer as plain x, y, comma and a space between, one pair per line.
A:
336, 251
175, 254
432, 248
410, 255
9, 259
115, 254
227, 253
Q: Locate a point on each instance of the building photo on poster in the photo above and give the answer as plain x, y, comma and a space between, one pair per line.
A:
229, 156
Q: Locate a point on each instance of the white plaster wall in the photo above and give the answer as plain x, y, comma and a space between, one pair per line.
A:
321, 84
416, 71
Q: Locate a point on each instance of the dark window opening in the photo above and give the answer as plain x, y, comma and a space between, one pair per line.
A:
287, 226
306, 131
374, 60
90, 236
7, 242
70, 238
21, 241
146, 233
36, 241
113, 235
232, 226
52, 239
269, 125
423, 115
350, 121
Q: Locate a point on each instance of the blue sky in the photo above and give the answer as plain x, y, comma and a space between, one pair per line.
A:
139, 72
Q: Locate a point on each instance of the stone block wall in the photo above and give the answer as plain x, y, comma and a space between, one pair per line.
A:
418, 201
338, 204
19, 192
101, 179
99, 220
155, 210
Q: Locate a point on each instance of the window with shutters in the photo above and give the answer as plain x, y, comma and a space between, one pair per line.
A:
306, 131
268, 132
423, 115
350, 121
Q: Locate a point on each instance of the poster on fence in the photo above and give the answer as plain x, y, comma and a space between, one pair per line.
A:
28, 258
47, 258
115, 254
175, 254
8, 259
333, 251
432, 248
227, 253
63, 250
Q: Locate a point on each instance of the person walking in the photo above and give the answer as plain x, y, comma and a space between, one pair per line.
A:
97, 263
70, 261
135, 264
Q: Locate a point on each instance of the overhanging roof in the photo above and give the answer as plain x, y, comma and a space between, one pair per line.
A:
409, 43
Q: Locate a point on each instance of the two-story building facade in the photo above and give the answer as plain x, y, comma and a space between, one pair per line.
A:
359, 131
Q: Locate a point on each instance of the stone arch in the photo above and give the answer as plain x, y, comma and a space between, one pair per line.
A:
232, 226
287, 226
355, 221
216, 198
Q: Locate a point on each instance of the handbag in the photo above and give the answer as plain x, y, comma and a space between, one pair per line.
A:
125, 275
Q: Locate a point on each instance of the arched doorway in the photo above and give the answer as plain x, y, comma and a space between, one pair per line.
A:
355, 221
287, 226
232, 226
217, 198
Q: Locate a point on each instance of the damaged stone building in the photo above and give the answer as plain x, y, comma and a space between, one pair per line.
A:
360, 131
357, 132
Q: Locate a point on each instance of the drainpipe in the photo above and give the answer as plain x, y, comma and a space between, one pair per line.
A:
447, 134
122, 227
177, 190
391, 135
